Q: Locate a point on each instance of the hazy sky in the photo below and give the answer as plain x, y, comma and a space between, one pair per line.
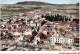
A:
48, 1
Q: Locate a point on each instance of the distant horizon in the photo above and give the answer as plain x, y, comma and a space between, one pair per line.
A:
46, 1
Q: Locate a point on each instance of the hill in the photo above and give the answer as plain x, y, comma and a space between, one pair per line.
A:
34, 3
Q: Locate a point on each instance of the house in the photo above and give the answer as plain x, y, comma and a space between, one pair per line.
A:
33, 24
15, 37
42, 36
38, 24
27, 33
17, 33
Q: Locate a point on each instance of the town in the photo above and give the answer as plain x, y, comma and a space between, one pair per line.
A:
39, 30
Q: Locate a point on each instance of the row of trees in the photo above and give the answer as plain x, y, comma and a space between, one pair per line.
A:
58, 17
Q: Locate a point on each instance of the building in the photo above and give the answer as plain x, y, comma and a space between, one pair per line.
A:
61, 40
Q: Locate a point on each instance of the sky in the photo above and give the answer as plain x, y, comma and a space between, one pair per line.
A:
47, 1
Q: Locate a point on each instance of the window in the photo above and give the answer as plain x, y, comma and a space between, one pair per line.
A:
58, 41
53, 38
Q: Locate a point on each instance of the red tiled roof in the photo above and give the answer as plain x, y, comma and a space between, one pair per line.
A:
11, 18
29, 27
29, 13
24, 29
10, 30
51, 32
13, 25
20, 22
62, 31
73, 22
38, 14
18, 18
74, 25
21, 25
8, 24
28, 36
68, 28
57, 30
39, 34
44, 28
48, 24
42, 39
47, 35
15, 36
25, 13
19, 30
61, 23
68, 32
17, 22
2, 30
38, 23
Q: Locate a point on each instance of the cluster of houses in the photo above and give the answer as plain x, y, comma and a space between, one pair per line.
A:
39, 27
57, 33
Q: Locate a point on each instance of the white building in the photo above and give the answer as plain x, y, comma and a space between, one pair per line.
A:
19, 38
61, 40
35, 40
44, 32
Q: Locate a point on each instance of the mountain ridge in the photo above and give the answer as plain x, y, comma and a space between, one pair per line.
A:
40, 3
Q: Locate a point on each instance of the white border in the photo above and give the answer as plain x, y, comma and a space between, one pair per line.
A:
38, 52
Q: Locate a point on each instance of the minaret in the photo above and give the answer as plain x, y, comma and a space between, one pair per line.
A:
26, 20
